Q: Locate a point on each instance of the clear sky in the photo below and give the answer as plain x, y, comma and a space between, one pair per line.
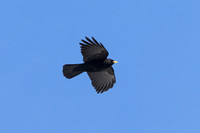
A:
157, 45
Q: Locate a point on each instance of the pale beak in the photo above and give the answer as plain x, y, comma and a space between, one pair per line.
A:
115, 62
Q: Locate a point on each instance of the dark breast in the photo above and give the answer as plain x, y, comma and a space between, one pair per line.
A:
95, 65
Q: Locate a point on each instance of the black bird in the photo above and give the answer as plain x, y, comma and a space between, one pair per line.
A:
96, 64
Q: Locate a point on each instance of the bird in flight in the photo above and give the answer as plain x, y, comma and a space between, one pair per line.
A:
96, 64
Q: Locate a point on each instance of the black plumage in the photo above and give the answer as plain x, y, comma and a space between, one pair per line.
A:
96, 64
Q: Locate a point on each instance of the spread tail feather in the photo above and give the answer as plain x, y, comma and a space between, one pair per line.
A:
72, 70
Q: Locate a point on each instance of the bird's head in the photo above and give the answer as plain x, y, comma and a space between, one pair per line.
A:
110, 61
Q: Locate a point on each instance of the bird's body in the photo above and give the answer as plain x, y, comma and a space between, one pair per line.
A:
96, 64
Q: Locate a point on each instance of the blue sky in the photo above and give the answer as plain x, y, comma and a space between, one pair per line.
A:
156, 43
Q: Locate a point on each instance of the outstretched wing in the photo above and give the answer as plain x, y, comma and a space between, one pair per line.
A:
103, 80
92, 50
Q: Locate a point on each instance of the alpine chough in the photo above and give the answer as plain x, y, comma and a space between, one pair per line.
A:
96, 64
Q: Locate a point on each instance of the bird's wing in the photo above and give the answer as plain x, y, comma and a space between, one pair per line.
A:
91, 50
103, 80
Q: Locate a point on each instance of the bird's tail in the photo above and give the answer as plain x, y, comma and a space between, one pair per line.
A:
72, 70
